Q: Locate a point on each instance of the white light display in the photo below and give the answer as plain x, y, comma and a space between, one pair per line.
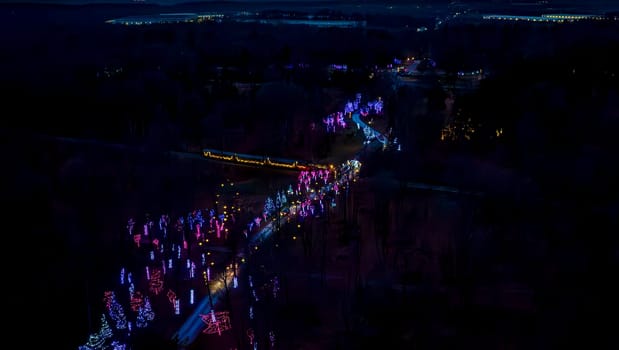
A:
116, 345
177, 307
122, 276
147, 273
152, 255
191, 296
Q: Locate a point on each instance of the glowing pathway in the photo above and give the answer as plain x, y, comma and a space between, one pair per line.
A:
368, 130
193, 326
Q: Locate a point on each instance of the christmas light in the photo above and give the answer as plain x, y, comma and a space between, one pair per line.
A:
136, 302
171, 296
122, 276
95, 341
105, 331
191, 296
116, 345
140, 320
149, 315
115, 310
253, 292
177, 307
147, 272
152, 255
108, 297
155, 284
216, 322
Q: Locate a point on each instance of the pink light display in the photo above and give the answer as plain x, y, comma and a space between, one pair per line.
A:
216, 322
155, 284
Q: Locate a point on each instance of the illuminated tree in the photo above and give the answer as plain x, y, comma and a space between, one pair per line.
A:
149, 314
283, 198
278, 200
95, 341
117, 314
140, 320
269, 206
106, 331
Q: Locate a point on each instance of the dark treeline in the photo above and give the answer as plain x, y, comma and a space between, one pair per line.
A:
178, 83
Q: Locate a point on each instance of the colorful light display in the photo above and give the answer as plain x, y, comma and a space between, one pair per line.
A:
307, 200
216, 322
